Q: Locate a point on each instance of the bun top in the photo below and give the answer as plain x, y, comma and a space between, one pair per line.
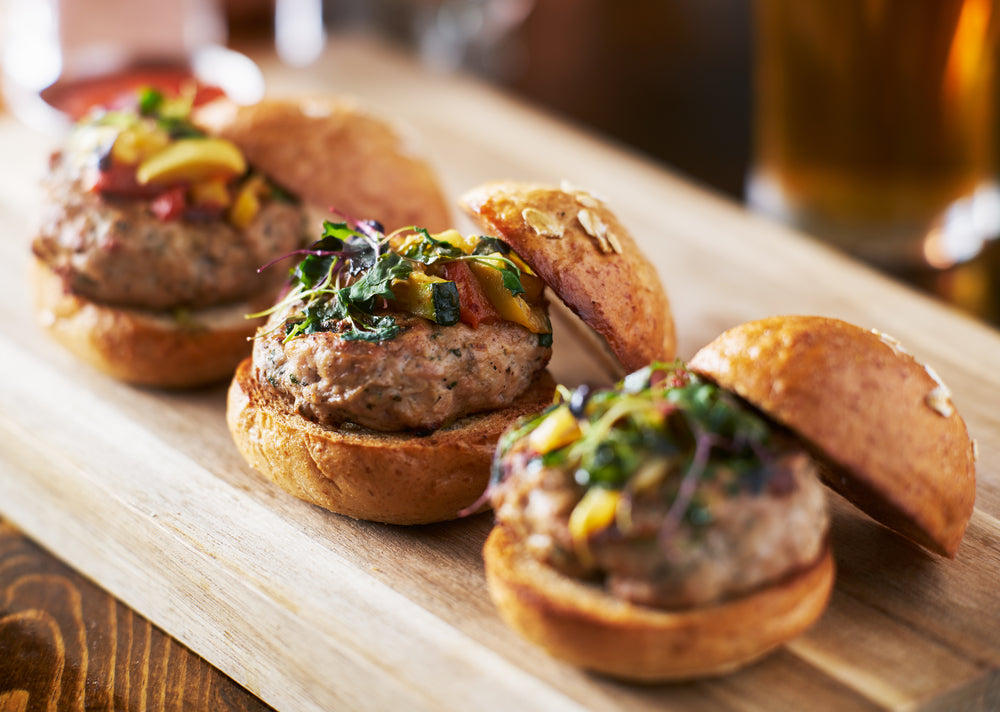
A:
587, 258
882, 424
341, 158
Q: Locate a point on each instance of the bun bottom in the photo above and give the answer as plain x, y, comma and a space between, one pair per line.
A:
146, 347
582, 624
394, 478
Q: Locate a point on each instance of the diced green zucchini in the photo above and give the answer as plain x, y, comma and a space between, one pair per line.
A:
429, 297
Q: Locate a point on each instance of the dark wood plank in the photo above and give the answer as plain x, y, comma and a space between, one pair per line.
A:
66, 641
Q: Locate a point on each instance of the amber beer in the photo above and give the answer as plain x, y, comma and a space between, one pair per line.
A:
875, 123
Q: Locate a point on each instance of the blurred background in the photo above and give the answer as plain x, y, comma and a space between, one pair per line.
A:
671, 79
674, 80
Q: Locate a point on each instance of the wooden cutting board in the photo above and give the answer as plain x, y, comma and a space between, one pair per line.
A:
144, 492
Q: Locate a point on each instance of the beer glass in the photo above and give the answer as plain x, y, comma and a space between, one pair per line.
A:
874, 125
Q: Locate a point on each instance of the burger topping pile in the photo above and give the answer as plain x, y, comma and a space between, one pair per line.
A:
666, 489
355, 280
151, 150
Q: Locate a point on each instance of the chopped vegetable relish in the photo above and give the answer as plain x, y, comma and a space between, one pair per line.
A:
151, 150
355, 278
662, 429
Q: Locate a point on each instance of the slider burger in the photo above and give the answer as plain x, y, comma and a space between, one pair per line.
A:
380, 383
675, 525
153, 229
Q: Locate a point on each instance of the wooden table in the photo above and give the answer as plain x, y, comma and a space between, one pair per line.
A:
143, 493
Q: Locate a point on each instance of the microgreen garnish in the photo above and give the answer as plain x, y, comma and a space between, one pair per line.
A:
334, 297
150, 101
345, 280
661, 429
511, 278
172, 114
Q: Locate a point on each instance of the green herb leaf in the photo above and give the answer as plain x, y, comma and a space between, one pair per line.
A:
372, 328
150, 101
312, 270
509, 271
512, 280
336, 233
375, 282
430, 250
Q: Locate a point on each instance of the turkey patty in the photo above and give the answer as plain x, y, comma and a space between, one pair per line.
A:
753, 539
115, 251
425, 377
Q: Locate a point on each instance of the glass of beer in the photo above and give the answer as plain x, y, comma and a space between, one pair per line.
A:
875, 125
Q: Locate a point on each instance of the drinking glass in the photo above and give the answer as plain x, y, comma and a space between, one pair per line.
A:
875, 125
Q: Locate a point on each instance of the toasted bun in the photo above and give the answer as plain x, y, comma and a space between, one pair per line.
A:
395, 478
146, 347
332, 154
882, 424
582, 624
588, 259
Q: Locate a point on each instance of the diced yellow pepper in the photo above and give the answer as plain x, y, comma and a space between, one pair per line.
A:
138, 142
214, 192
596, 511
245, 206
192, 159
501, 261
415, 294
494, 260
521, 264
453, 237
533, 286
532, 283
403, 242
559, 428
511, 307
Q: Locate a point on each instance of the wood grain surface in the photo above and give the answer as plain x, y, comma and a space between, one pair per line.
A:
68, 645
144, 493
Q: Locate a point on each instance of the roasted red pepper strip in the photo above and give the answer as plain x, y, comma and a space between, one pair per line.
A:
118, 181
474, 306
170, 204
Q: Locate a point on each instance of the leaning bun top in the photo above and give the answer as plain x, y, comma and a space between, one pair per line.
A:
333, 154
882, 423
588, 259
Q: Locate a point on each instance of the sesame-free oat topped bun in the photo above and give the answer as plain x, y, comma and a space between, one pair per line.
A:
335, 155
587, 258
882, 424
